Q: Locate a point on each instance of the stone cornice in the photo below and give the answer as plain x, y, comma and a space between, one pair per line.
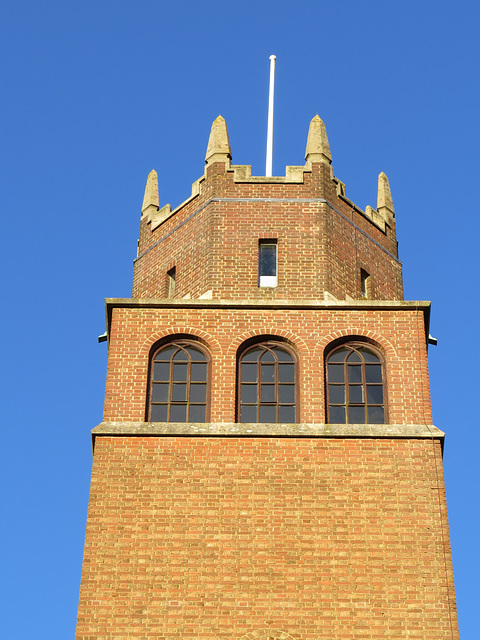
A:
337, 305
240, 430
363, 305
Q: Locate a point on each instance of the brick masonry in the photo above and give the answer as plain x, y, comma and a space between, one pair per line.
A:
213, 242
320, 538
254, 532
399, 332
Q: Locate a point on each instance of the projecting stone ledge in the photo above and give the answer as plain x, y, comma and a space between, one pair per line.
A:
263, 430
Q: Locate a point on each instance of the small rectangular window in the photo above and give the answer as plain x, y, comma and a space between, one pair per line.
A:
171, 273
365, 283
267, 263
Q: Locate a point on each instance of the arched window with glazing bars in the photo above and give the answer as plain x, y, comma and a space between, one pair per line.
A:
179, 383
355, 385
267, 388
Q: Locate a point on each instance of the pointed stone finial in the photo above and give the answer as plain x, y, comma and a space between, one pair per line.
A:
150, 199
318, 149
384, 198
218, 149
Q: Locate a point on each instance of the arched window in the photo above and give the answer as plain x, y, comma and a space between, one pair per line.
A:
267, 390
355, 385
179, 383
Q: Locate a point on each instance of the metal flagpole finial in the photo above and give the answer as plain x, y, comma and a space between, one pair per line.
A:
268, 166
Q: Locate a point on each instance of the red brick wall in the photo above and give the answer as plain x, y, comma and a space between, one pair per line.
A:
400, 334
217, 249
207, 538
322, 538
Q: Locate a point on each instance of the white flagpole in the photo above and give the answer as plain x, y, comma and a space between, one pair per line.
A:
268, 166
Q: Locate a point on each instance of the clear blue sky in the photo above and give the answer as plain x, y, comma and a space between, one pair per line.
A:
97, 93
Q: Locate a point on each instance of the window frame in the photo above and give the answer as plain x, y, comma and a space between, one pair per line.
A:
269, 344
180, 342
265, 281
353, 345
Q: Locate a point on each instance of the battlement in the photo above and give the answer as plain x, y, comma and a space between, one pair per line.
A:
211, 241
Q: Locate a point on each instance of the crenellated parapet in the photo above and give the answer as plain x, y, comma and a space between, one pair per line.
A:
319, 232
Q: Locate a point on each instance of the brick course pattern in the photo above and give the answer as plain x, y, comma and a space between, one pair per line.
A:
213, 243
321, 538
399, 333
318, 533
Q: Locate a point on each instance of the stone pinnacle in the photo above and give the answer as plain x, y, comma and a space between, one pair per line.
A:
318, 149
151, 191
218, 149
384, 196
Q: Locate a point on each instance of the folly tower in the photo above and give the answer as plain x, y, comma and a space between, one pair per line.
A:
267, 465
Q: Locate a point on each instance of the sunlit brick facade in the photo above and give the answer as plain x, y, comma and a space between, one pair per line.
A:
309, 529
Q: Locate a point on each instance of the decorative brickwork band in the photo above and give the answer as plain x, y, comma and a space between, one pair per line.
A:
267, 634
172, 332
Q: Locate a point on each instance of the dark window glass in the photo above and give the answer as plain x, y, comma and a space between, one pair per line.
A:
376, 415
178, 413
179, 393
159, 413
354, 357
268, 372
267, 356
248, 413
180, 372
287, 393
339, 355
374, 372
286, 414
337, 415
198, 393
181, 354
165, 354
267, 259
336, 373
267, 393
362, 400
356, 415
161, 371
286, 373
355, 393
160, 392
178, 388
199, 372
374, 394
368, 356
267, 384
252, 355
249, 372
268, 413
248, 393
336, 393
354, 373
197, 413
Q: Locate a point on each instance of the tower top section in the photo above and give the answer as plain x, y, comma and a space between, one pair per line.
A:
288, 237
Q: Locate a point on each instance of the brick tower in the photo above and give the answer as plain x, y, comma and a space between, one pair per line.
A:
267, 465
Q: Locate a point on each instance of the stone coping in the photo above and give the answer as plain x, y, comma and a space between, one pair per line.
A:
264, 430
202, 303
